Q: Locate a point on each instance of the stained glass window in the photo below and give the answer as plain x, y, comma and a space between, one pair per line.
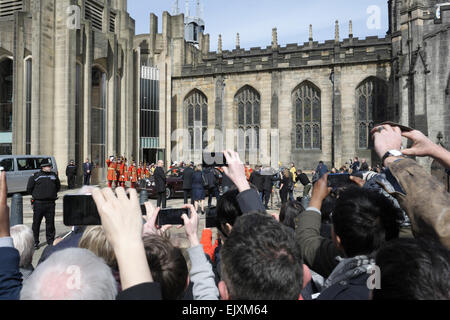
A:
371, 97
308, 110
249, 114
196, 105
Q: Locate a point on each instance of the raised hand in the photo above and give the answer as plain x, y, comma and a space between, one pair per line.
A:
236, 170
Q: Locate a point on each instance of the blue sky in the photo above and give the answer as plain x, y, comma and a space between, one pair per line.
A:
254, 19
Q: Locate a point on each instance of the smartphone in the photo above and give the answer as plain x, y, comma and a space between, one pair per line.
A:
211, 217
214, 159
171, 216
339, 180
81, 210
393, 124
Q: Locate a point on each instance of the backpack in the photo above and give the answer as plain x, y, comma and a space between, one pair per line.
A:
205, 181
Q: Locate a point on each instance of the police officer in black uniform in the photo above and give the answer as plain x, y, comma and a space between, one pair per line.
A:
71, 173
44, 187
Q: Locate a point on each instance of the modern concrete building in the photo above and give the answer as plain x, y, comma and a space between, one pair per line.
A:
67, 80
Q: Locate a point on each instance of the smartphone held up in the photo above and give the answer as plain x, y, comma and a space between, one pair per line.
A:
81, 210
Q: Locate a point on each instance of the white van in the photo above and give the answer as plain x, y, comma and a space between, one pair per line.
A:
19, 169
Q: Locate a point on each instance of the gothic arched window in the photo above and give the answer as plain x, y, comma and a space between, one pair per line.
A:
196, 106
248, 103
98, 111
308, 123
371, 99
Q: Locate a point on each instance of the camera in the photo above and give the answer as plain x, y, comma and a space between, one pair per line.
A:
171, 217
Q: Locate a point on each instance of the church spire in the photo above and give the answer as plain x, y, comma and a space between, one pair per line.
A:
176, 8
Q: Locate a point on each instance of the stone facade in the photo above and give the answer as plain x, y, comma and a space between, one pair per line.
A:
62, 117
274, 73
412, 61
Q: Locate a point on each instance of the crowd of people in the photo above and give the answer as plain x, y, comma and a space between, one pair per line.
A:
346, 244
120, 171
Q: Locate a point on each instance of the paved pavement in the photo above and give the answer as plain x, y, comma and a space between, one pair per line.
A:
177, 236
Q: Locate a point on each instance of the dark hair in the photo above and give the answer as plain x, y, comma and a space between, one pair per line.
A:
413, 269
168, 266
327, 208
228, 209
289, 211
364, 219
261, 261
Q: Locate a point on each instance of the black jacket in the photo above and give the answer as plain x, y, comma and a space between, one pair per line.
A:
353, 289
44, 186
143, 291
187, 178
303, 178
257, 180
268, 182
210, 177
87, 167
71, 170
160, 180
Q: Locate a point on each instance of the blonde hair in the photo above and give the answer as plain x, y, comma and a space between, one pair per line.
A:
286, 173
94, 239
198, 167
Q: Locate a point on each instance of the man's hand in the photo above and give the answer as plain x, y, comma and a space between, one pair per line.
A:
57, 241
387, 138
422, 146
191, 225
320, 192
150, 226
122, 222
121, 217
357, 180
236, 171
4, 209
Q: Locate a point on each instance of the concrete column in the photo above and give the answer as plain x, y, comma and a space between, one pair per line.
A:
36, 77
19, 106
87, 94
64, 90
111, 106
